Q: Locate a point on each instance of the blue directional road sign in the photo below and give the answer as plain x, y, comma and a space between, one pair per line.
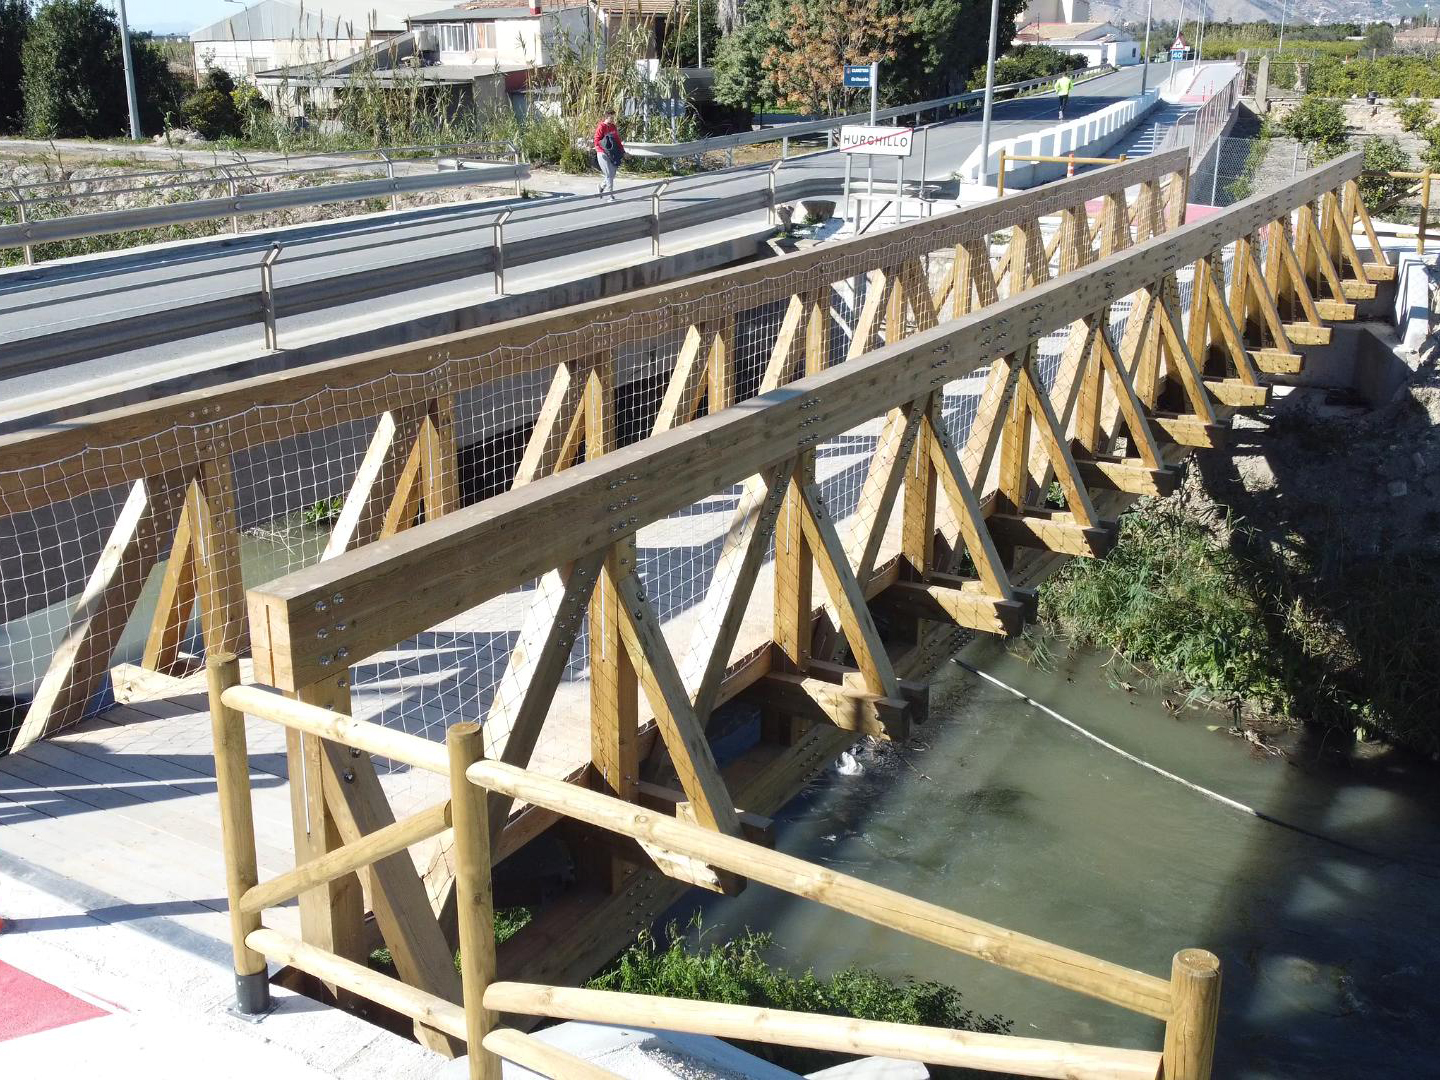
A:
857, 74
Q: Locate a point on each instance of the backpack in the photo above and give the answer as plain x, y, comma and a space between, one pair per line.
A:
612, 151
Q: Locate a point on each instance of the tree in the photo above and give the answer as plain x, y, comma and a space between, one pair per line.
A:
74, 76
1382, 156
740, 79
14, 25
679, 45
210, 110
819, 39
1379, 37
1029, 62
945, 40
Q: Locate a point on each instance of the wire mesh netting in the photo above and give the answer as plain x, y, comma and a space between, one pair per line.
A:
289, 484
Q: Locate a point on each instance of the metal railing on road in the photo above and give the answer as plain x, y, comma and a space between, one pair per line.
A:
783, 133
257, 168
46, 193
29, 233
160, 323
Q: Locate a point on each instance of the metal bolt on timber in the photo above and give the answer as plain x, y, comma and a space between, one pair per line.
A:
474, 901
1195, 1012
237, 830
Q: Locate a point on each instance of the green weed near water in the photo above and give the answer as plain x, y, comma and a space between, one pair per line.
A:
1169, 598
736, 972
1292, 628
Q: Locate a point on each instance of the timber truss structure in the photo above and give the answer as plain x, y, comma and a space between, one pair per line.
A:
825, 606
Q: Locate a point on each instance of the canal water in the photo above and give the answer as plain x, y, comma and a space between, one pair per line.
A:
1327, 926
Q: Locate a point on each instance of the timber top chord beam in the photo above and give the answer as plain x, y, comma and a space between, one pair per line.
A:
403, 585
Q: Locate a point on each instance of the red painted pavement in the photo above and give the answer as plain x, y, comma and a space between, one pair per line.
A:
28, 1005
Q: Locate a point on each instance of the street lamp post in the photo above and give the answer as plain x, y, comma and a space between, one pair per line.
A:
1179, 33
1200, 42
989, 92
249, 33
129, 72
1145, 56
1284, 9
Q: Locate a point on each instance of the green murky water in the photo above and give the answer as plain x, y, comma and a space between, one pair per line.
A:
1000, 811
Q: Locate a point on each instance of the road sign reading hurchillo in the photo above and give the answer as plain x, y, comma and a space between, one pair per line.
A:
867, 139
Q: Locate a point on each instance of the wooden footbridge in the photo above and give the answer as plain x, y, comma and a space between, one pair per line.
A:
788, 487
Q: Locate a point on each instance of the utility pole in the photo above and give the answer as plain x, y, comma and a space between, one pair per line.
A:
1145, 56
1284, 9
1200, 43
699, 34
129, 72
989, 92
1179, 33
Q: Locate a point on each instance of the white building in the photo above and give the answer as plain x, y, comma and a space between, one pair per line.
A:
1098, 42
270, 34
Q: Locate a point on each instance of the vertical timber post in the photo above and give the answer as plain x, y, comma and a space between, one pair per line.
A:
237, 829
332, 914
1194, 1014
794, 561
474, 900
614, 687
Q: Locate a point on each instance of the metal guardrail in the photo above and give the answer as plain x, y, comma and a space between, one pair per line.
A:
783, 133
114, 221
161, 323
188, 175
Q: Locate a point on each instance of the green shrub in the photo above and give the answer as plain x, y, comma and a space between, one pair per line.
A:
1319, 123
323, 511
1415, 115
575, 160
211, 110
1307, 631
1383, 155
1025, 62
735, 972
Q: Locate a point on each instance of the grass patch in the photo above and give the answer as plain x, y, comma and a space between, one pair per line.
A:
1288, 626
508, 923
736, 972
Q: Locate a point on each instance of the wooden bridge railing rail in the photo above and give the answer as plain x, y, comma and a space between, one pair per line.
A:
1166, 385
1186, 1003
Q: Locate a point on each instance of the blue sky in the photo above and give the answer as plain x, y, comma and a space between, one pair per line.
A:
175, 16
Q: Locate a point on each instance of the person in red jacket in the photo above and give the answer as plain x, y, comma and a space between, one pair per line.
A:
609, 152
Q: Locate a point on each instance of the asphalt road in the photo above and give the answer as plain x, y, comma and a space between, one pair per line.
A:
38, 301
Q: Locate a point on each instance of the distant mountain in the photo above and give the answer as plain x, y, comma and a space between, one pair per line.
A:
1295, 11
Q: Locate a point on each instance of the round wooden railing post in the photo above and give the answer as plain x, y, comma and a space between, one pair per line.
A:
1190, 1032
237, 830
474, 901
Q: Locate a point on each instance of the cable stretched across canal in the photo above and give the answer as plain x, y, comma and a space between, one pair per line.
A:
1419, 866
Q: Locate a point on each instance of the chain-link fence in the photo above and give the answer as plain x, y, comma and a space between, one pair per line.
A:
1236, 168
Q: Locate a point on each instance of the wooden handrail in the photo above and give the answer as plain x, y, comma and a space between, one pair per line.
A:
405, 999
541, 1057
1056, 964
937, 1046
361, 734
343, 860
